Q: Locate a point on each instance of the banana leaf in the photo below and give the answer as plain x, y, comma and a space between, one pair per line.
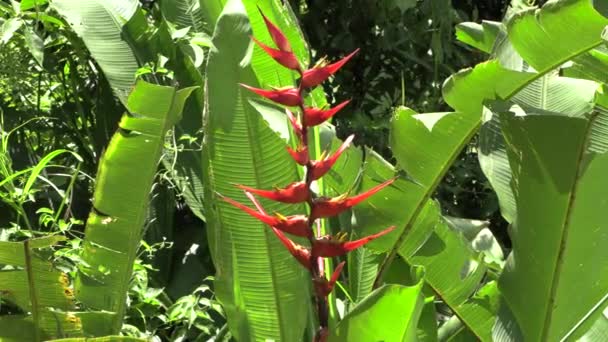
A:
563, 250
126, 172
116, 33
42, 292
390, 313
263, 290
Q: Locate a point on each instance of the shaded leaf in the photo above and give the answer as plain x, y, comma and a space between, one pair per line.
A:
570, 253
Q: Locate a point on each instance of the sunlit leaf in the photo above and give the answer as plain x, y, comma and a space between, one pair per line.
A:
124, 179
390, 313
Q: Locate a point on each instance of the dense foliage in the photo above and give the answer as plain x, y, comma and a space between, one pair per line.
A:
124, 130
407, 50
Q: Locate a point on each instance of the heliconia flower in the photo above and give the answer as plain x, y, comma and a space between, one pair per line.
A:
297, 127
277, 36
317, 75
324, 287
286, 59
293, 193
327, 207
329, 246
316, 116
287, 96
296, 224
300, 155
301, 253
320, 167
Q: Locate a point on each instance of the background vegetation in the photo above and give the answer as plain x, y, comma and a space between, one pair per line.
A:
407, 50
68, 103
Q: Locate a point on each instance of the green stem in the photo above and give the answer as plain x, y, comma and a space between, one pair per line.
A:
331, 298
32, 289
67, 191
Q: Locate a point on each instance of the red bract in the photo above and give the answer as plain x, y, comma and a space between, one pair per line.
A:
296, 224
301, 253
316, 116
277, 36
327, 207
329, 246
293, 193
297, 192
286, 59
324, 287
320, 167
297, 127
317, 75
288, 96
300, 155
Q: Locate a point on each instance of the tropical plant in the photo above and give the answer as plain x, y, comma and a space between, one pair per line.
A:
534, 113
526, 79
320, 245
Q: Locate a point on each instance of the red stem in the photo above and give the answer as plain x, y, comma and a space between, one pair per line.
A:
315, 262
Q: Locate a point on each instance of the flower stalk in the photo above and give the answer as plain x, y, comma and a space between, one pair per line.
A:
320, 246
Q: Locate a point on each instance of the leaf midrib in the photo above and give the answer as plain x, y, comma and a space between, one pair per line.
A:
559, 262
423, 200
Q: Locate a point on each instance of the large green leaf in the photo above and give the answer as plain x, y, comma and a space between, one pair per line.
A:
547, 93
424, 146
557, 253
542, 39
452, 269
124, 180
481, 36
115, 32
99, 23
456, 274
184, 13
507, 74
503, 77
390, 313
530, 37
453, 272
257, 281
37, 288
466, 92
